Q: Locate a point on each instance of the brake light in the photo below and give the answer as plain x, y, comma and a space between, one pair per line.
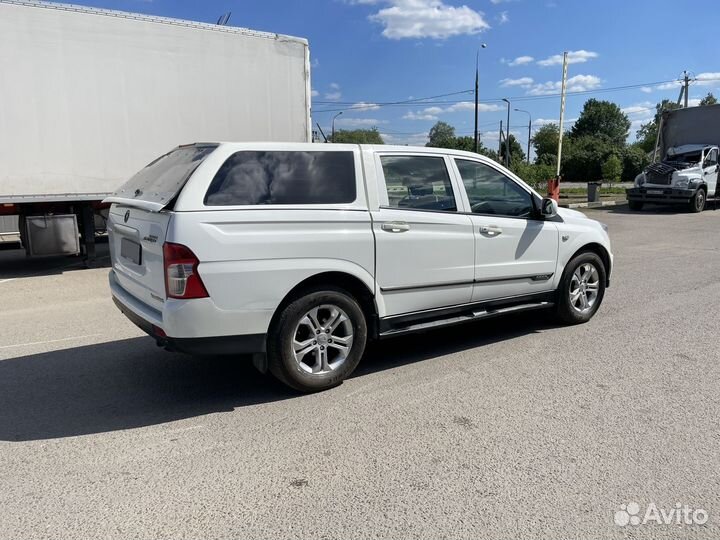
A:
181, 275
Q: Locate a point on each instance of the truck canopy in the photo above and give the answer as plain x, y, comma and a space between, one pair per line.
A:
698, 126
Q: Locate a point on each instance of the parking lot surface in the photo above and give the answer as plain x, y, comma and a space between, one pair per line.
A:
515, 427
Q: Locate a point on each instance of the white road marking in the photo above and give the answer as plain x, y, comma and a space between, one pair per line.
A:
48, 341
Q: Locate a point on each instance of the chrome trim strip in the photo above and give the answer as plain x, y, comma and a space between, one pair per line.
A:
534, 277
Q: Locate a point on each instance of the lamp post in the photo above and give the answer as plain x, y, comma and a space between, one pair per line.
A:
507, 135
333, 125
477, 77
529, 131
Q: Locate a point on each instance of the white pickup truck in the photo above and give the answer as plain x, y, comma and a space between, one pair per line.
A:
300, 253
688, 172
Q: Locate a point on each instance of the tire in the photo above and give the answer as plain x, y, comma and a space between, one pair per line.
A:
570, 307
304, 353
635, 205
697, 203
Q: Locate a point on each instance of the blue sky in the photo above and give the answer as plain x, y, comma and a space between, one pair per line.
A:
370, 52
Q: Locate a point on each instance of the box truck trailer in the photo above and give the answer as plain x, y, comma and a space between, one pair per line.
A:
90, 96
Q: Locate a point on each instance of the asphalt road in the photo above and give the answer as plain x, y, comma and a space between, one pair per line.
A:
512, 428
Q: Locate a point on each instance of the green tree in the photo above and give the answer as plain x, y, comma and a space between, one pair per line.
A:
708, 100
647, 134
442, 135
357, 136
634, 160
545, 142
516, 151
602, 118
583, 157
612, 168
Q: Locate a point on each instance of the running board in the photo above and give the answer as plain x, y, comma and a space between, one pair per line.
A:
473, 316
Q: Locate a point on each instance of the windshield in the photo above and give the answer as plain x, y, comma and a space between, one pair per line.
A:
162, 180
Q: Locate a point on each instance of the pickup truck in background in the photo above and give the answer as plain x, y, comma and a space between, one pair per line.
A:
688, 173
92, 95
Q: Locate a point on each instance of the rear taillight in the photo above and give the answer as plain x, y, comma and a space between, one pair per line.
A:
181, 275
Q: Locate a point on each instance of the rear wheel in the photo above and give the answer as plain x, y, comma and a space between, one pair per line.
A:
697, 203
635, 205
582, 288
318, 340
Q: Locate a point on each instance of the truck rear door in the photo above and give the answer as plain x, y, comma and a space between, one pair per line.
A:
139, 219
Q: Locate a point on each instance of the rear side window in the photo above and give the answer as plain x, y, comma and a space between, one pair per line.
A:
281, 177
420, 182
163, 178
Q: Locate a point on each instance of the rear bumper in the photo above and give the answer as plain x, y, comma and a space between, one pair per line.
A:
667, 195
150, 321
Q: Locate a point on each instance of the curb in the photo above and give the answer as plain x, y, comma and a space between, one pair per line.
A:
592, 204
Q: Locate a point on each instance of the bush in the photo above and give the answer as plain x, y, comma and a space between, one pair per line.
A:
536, 175
612, 169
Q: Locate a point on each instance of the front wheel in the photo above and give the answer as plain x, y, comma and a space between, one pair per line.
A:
318, 340
635, 205
582, 288
697, 203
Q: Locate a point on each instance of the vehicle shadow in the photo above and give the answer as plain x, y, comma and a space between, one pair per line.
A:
131, 383
650, 209
15, 264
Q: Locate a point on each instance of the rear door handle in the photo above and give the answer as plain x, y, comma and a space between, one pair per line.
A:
491, 230
395, 226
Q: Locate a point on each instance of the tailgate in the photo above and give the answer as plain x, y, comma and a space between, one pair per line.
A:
136, 238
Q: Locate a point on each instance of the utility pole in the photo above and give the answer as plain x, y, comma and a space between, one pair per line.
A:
686, 78
562, 114
500, 136
333, 125
529, 132
507, 135
477, 79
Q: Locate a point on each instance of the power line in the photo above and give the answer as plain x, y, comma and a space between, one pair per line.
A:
426, 100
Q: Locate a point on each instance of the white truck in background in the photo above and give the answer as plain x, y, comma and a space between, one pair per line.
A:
90, 96
688, 142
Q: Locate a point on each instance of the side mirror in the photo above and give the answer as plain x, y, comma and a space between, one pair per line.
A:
548, 208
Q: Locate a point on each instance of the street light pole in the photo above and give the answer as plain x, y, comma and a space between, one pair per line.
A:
477, 77
507, 135
333, 125
529, 131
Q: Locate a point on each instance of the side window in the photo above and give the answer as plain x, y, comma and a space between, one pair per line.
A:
420, 182
712, 158
275, 177
491, 192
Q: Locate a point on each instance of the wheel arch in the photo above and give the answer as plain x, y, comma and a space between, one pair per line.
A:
600, 251
348, 282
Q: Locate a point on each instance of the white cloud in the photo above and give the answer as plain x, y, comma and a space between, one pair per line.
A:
335, 93
645, 108
432, 113
315, 63
419, 19
693, 102
314, 93
347, 121
521, 60
362, 106
523, 82
578, 83
646, 89
672, 85
706, 79
503, 17
411, 115
574, 57
499, 1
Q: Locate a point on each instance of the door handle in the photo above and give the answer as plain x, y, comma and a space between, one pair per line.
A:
491, 230
395, 226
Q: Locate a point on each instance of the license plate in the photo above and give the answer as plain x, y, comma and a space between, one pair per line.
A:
131, 250
655, 191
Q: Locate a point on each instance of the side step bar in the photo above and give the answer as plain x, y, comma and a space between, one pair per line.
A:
473, 316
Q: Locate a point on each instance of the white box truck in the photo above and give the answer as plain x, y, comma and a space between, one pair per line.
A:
688, 146
90, 96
